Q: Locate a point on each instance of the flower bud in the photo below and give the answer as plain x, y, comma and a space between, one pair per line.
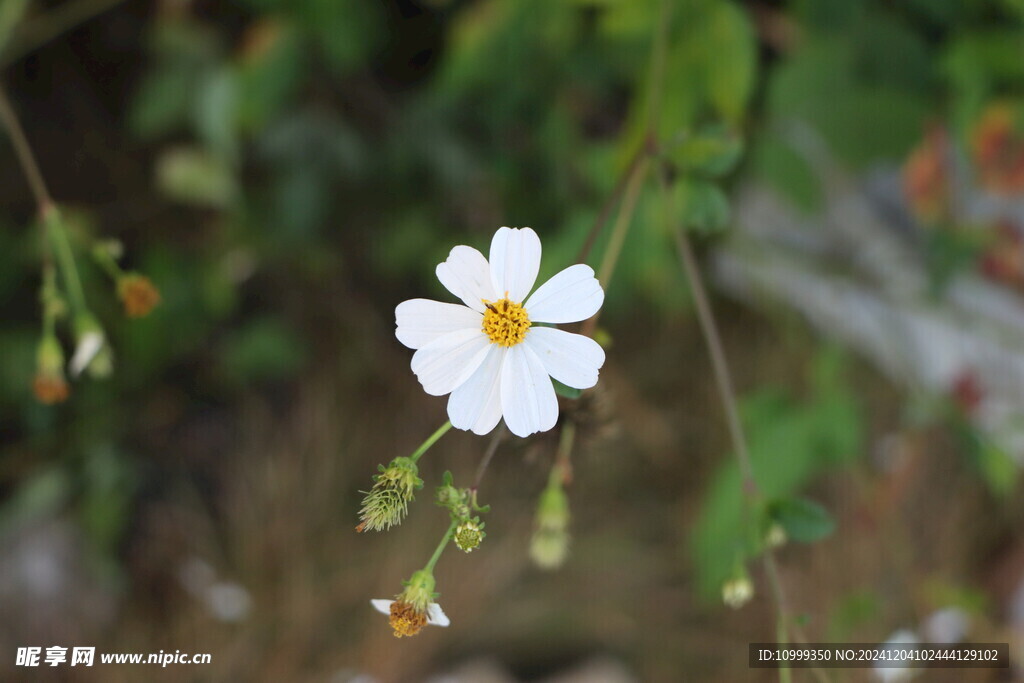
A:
737, 591
387, 503
776, 536
549, 545
49, 385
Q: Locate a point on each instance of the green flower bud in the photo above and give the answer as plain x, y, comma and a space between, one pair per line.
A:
549, 545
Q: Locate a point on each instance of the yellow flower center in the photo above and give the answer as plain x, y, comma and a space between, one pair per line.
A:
505, 323
406, 620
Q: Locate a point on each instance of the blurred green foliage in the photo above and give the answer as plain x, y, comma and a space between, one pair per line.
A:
791, 442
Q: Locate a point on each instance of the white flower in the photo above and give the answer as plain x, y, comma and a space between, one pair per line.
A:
435, 615
489, 354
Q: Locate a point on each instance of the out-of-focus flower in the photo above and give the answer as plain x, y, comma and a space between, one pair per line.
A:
926, 177
414, 607
967, 391
1003, 260
138, 294
91, 349
895, 672
737, 591
776, 536
946, 625
997, 147
490, 354
49, 384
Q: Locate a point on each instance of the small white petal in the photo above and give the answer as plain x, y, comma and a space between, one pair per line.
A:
466, 275
572, 295
570, 358
476, 405
421, 321
445, 363
436, 615
381, 605
515, 261
87, 348
528, 399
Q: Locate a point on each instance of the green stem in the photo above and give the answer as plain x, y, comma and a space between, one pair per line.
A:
102, 256
560, 470
431, 440
65, 258
440, 548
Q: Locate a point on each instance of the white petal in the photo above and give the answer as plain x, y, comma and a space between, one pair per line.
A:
515, 260
476, 405
436, 615
572, 295
382, 606
421, 321
88, 346
528, 399
467, 275
447, 362
570, 358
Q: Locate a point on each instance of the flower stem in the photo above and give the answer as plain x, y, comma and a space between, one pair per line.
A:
561, 471
431, 440
24, 153
58, 238
492, 448
440, 548
727, 394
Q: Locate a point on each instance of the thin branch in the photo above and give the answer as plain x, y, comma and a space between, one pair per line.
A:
37, 32
24, 154
488, 454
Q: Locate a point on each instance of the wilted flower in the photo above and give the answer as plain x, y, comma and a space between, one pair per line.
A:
49, 385
138, 294
490, 354
414, 607
387, 503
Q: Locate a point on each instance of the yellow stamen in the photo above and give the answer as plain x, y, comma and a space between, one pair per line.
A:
405, 619
505, 322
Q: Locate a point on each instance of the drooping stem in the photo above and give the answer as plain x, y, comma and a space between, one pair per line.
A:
24, 153
37, 32
58, 238
440, 548
431, 440
727, 394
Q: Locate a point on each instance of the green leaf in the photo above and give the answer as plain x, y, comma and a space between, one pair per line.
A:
712, 151
566, 391
733, 60
803, 520
703, 204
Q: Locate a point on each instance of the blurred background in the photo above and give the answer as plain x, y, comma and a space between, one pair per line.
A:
286, 172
